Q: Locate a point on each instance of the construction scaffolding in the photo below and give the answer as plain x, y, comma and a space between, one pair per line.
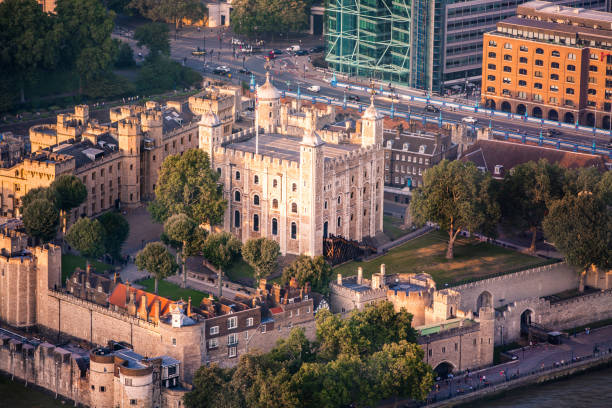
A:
370, 38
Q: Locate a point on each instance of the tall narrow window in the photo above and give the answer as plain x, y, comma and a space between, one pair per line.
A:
274, 226
237, 196
293, 230
255, 222
256, 199
294, 207
237, 219
275, 204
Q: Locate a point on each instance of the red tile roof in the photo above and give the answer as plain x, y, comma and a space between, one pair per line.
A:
276, 310
119, 297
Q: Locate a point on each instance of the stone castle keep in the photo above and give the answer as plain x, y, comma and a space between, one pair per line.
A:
295, 184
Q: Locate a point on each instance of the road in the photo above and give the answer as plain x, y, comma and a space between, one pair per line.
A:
290, 71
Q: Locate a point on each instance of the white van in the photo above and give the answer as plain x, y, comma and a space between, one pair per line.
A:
293, 48
314, 88
470, 120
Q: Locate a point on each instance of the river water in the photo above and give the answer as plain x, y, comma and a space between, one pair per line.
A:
590, 390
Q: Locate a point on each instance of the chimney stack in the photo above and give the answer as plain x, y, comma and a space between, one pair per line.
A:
339, 279
189, 307
142, 310
293, 282
359, 275
155, 312
382, 269
276, 289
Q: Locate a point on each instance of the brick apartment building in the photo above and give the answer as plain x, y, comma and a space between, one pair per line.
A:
552, 62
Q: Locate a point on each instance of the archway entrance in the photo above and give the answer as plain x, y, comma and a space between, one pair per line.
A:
506, 107
569, 118
590, 119
526, 318
537, 112
521, 109
605, 123
443, 369
484, 300
491, 104
553, 115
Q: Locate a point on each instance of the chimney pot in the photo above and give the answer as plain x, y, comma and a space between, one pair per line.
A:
359, 275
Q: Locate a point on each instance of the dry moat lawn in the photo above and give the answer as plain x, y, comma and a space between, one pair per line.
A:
473, 260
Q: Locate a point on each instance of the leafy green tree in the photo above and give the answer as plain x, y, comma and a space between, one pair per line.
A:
162, 73
604, 187
315, 270
526, 191
43, 193
210, 383
188, 185
262, 254
580, 227
456, 196
86, 27
221, 249
88, 237
170, 11
27, 44
116, 229
69, 192
125, 55
157, 260
181, 229
41, 219
250, 17
155, 37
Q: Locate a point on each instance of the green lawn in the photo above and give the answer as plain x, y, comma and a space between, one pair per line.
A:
473, 260
239, 270
71, 262
14, 394
173, 292
391, 227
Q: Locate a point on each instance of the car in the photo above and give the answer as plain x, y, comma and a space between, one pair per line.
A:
318, 48
277, 51
293, 48
314, 88
198, 53
431, 109
222, 70
244, 71
353, 98
236, 41
554, 132
301, 52
470, 120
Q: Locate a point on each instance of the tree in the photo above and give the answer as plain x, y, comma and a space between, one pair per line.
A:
26, 42
125, 55
41, 219
261, 254
116, 231
154, 36
86, 28
456, 196
188, 185
315, 270
170, 11
527, 190
210, 383
250, 17
221, 249
180, 229
580, 227
69, 192
156, 259
88, 237
42, 193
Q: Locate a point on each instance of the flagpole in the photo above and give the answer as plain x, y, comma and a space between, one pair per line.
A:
256, 126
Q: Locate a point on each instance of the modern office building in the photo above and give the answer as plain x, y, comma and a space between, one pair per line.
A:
552, 62
434, 45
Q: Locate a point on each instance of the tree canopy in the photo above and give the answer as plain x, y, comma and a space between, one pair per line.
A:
262, 254
181, 229
315, 270
156, 259
252, 17
458, 197
299, 373
188, 185
41, 219
221, 249
155, 37
69, 191
116, 231
88, 237
170, 11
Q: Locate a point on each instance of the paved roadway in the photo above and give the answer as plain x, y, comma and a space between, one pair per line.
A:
291, 71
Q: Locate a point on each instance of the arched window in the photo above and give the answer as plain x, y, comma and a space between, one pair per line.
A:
219, 170
294, 187
256, 179
237, 196
293, 230
275, 203
554, 65
338, 199
256, 199
556, 53
255, 222
339, 222
325, 204
539, 51
274, 226
237, 219
274, 183
571, 67
237, 175
293, 207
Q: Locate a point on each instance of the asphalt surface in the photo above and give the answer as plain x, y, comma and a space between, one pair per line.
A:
290, 71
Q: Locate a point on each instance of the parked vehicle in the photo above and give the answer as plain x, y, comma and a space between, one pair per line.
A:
293, 48
277, 51
314, 88
222, 70
353, 98
301, 52
470, 120
244, 71
318, 48
198, 53
431, 109
554, 132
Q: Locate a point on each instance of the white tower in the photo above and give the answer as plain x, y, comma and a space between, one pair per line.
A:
371, 126
268, 106
210, 133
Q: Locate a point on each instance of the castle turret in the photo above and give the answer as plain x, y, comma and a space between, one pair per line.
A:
371, 126
268, 106
211, 133
311, 180
130, 135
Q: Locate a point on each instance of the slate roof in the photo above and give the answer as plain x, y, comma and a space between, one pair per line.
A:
79, 150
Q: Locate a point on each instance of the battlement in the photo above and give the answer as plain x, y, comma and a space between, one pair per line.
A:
360, 153
483, 283
446, 296
151, 117
120, 112
129, 126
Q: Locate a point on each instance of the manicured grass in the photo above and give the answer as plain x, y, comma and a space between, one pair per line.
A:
239, 270
16, 395
70, 262
594, 325
391, 227
473, 260
173, 292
